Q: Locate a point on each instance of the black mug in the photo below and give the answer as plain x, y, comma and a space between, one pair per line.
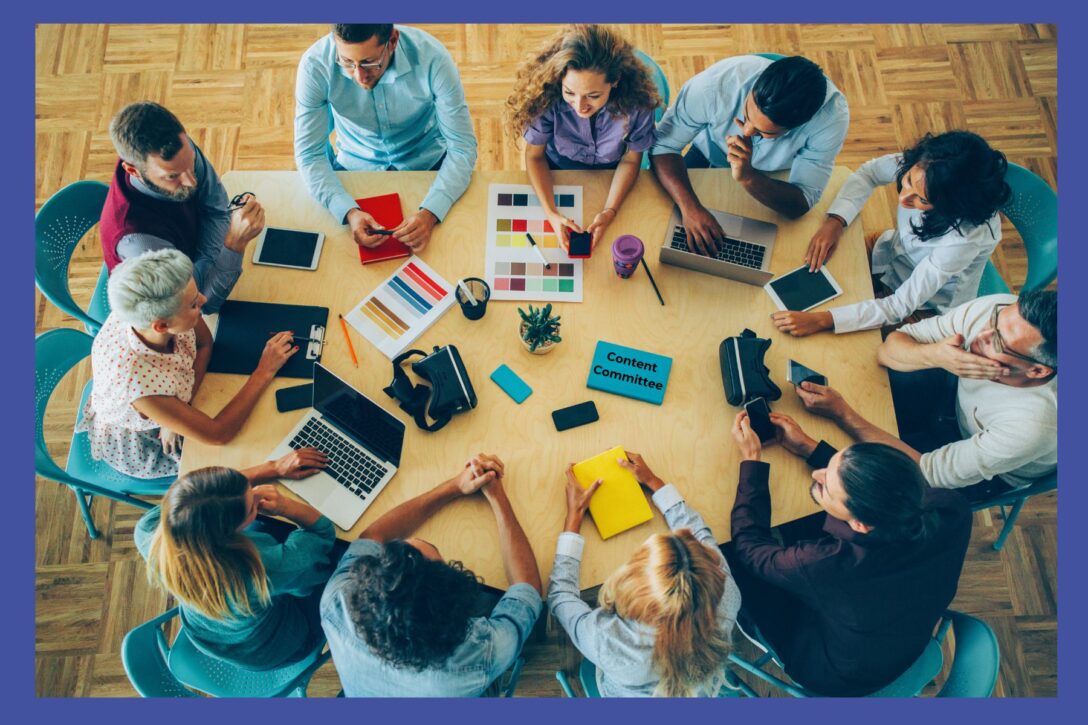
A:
480, 292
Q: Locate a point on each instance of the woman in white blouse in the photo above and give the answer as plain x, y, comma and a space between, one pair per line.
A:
950, 189
148, 361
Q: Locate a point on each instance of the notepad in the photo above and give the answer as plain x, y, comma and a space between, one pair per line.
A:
619, 503
386, 211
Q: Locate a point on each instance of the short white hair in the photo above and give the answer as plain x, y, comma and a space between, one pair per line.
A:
149, 287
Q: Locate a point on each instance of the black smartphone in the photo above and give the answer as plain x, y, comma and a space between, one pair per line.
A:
295, 397
575, 415
759, 416
797, 373
580, 245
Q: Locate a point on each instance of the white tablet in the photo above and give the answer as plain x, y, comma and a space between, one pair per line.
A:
292, 248
802, 290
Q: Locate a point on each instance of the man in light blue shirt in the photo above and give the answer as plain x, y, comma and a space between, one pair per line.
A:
403, 623
395, 99
754, 116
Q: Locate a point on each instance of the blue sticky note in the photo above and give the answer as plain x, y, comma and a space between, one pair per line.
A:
626, 371
511, 384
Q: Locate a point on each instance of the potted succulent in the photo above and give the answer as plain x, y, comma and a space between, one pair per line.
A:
539, 330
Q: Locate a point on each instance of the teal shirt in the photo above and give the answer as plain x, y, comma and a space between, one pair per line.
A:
288, 627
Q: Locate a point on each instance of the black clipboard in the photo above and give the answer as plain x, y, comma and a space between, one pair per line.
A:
243, 330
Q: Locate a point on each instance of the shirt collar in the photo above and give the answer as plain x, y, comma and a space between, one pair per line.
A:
401, 65
141, 347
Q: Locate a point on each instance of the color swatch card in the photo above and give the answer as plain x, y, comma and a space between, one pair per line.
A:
514, 270
402, 307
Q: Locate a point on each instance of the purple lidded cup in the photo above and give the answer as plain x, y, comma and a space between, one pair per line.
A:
627, 251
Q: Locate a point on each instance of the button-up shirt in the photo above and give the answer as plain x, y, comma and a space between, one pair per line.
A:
491, 644
413, 115
598, 142
708, 105
935, 274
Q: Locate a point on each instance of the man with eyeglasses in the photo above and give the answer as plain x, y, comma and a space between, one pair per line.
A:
395, 99
976, 394
753, 116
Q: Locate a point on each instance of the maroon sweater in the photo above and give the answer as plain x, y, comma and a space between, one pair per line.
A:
130, 211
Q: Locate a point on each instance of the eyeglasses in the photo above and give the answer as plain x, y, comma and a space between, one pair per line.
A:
350, 66
1001, 347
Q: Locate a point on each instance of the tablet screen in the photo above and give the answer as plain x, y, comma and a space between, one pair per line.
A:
801, 289
288, 247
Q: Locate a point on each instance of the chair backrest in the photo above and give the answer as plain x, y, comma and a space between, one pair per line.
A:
1033, 210
587, 675
1047, 483
143, 654
976, 661
660, 81
918, 675
59, 225
55, 353
770, 56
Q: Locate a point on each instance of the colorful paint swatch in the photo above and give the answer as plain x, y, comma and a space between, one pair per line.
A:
396, 313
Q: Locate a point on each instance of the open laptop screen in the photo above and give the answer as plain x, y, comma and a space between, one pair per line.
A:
358, 415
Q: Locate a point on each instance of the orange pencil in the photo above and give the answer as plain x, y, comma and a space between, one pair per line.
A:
351, 348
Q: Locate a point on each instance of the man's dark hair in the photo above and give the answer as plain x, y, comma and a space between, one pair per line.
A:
143, 128
410, 610
884, 489
351, 33
965, 181
1040, 310
790, 91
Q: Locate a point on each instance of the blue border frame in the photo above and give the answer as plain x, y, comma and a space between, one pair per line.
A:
18, 535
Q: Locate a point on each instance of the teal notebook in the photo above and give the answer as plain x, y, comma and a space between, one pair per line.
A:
626, 371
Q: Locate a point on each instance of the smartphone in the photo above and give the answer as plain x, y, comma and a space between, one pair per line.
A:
797, 373
295, 397
581, 245
575, 415
759, 416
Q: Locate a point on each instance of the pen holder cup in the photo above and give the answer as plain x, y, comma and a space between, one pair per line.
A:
479, 290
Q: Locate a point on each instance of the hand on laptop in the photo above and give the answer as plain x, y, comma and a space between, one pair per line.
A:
300, 464
703, 230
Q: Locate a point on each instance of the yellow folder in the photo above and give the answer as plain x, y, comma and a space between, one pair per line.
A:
619, 503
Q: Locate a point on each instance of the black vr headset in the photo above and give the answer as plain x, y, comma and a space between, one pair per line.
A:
744, 374
450, 392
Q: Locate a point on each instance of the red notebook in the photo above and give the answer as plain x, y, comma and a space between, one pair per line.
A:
386, 211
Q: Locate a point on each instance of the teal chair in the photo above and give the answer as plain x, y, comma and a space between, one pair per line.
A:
1033, 210
58, 227
662, 84
975, 664
157, 669
587, 676
770, 56
1013, 501
55, 353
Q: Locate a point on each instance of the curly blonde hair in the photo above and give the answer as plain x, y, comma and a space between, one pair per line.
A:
539, 83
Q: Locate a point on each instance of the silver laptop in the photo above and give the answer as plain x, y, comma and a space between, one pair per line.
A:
363, 443
745, 256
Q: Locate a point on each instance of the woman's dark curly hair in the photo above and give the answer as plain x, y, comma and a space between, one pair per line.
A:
965, 181
410, 610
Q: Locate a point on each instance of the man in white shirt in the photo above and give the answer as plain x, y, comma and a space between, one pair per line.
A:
1002, 354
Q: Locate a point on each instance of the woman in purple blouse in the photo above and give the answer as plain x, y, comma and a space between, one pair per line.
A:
584, 102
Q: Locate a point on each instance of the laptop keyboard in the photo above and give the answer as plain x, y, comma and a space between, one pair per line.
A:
352, 468
745, 254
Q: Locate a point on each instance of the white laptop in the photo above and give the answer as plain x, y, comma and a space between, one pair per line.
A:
363, 443
745, 255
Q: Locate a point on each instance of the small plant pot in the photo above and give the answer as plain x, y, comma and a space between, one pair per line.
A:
540, 349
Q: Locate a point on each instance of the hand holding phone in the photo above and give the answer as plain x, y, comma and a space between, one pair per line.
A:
759, 417
581, 245
797, 373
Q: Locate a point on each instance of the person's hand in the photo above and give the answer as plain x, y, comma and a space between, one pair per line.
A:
361, 225
415, 231
738, 151
791, 437
746, 439
950, 355
477, 472
600, 224
277, 350
271, 501
171, 441
246, 223
563, 226
823, 243
822, 400
302, 463
703, 230
800, 324
577, 500
642, 472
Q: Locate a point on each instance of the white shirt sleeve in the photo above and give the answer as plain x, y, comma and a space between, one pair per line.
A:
999, 448
861, 184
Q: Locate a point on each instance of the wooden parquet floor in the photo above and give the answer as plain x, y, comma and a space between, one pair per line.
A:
232, 86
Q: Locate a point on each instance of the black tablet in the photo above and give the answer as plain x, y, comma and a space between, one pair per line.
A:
288, 248
802, 290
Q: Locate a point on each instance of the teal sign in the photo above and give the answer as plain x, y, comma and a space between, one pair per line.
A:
626, 371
